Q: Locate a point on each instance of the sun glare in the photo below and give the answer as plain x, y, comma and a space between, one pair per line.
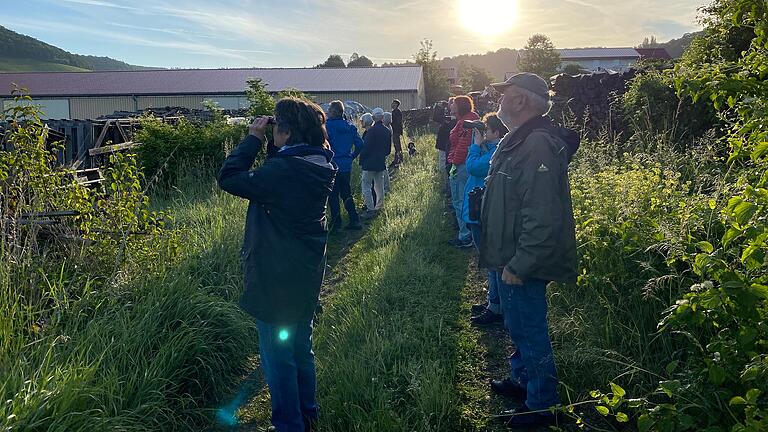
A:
487, 17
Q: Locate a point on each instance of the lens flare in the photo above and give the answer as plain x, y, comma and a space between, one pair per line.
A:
487, 17
283, 335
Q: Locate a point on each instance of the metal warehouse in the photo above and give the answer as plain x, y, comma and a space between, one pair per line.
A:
85, 95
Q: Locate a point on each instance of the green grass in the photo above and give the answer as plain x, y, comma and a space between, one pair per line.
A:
29, 65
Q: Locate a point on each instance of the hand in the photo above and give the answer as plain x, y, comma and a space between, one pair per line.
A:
259, 128
510, 278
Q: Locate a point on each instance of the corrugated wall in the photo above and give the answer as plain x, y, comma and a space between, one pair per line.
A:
408, 99
93, 107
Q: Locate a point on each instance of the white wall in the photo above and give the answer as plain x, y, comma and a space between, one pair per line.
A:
595, 65
52, 108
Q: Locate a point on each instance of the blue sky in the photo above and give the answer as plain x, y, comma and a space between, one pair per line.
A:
294, 33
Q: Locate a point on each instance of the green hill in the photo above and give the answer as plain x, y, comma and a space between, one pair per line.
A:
21, 53
30, 65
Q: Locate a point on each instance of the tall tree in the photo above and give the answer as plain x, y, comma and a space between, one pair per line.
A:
333, 61
649, 42
474, 78
356, 60
435, 81
539, 57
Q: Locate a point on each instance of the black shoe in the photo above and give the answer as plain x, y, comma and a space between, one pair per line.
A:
354, 226
523, 418
477, 309
510, 388
461, 244
486, 318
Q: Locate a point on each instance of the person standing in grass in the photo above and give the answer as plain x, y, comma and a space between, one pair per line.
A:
377, 144
529, 236
284, 250
460, 138
441, 114
397, 131
478, 161
346, 145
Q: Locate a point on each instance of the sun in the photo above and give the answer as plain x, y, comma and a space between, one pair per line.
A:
487, 17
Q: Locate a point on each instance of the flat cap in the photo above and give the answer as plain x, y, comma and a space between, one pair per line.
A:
525, 80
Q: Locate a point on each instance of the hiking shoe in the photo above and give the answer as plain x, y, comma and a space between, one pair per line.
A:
354, 226
477, 309
461, 244
510, 388
523, 418
486, 318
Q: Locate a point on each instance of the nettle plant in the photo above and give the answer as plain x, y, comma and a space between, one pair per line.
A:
721, 380
114, 220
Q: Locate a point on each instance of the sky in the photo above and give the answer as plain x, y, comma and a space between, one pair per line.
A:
302, 33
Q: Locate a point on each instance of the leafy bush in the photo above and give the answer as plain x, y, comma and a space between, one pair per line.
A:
165, 148
719, 378
653, 108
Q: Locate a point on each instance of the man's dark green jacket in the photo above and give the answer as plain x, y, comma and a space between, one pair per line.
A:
283, 254
527, 215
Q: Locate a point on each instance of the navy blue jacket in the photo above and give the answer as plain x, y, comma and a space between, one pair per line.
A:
345, 142
283, 254
376, 147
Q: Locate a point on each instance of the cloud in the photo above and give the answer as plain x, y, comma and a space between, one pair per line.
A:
666, 28
101, 3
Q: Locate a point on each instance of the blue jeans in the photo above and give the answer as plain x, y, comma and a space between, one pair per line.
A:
289, 367
457, 182
493, 279
533, 364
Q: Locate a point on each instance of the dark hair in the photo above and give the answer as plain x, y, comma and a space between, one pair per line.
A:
303, 119
397, 101
494, 123
336, 108
464, 105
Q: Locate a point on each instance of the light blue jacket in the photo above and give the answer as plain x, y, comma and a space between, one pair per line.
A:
478, 162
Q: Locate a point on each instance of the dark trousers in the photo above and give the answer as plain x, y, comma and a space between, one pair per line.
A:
525, 317
289, 368
396, 140
342, 188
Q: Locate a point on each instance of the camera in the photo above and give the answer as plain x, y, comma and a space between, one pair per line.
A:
474, 124
271, 120
475, 202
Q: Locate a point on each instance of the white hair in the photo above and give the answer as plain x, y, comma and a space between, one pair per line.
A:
366, 119
387, 120
536, 102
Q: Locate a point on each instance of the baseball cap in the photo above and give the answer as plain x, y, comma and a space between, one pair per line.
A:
526, 80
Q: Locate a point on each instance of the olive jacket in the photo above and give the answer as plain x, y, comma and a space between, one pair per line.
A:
527, 215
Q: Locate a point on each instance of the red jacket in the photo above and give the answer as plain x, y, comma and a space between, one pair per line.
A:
460, 139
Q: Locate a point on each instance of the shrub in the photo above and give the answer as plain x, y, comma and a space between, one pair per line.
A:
165, 148
653, 107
